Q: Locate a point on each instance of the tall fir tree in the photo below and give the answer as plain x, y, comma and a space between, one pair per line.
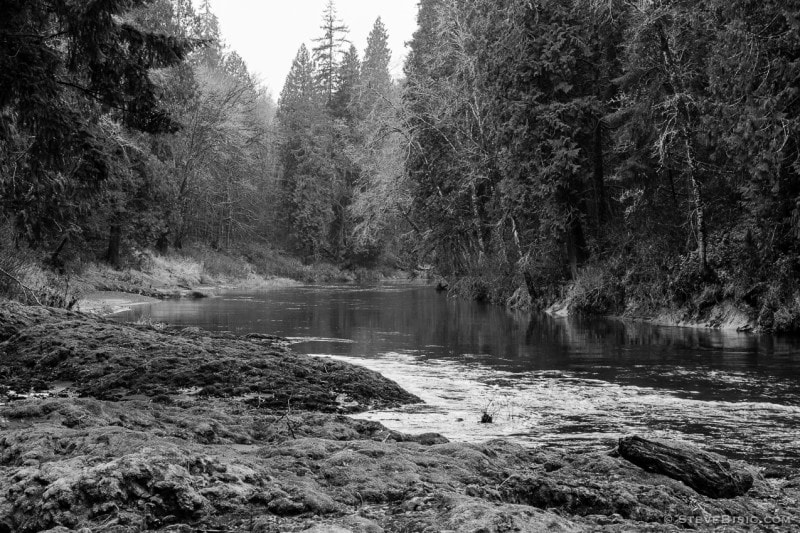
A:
328, 48
307, 174
347, 86
376, 80
208, 30
68, 75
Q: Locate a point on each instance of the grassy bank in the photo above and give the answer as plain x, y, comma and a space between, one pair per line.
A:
124, 428
195, 270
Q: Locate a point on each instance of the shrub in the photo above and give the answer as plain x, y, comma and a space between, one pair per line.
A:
23, 280
470, 287
596, 291
216, 264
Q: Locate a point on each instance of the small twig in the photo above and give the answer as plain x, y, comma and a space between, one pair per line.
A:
33, 294
361, 498
504, 482
288, 420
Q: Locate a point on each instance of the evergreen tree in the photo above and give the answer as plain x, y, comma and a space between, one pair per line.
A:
307, 173
381, 196
69, 69
349, 81
300, 94
344, 133
328, 48
208, 23
208, 30
376, 81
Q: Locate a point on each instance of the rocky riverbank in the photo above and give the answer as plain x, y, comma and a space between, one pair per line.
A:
123, 428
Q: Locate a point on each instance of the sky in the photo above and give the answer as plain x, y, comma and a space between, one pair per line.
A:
268, 33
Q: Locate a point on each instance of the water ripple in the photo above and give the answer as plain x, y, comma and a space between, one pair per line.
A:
572, 410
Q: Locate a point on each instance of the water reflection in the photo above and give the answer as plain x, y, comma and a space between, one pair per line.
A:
412, 329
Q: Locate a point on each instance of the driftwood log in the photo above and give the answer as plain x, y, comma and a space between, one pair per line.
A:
707, 473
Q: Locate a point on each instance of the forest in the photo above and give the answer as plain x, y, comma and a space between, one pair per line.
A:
622, 156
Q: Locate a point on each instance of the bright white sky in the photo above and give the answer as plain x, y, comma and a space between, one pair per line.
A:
268, 33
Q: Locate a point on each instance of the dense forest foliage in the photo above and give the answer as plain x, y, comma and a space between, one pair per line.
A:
626, 155
341, 167
622, 155
126, 125
129, 125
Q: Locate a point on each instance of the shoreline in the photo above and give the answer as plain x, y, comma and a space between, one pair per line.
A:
724, 316
107, 292
110, 302
105, 303
178, 429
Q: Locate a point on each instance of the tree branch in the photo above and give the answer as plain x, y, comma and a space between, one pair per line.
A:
33, 294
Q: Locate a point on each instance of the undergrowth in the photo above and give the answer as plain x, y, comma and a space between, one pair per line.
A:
24, 279
645, 278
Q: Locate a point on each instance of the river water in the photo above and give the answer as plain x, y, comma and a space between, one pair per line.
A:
575, 383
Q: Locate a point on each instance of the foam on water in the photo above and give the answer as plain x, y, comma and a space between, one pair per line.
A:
566, 409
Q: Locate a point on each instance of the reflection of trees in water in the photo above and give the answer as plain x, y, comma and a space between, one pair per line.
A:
418, 319
698, 363
421, 320
598, 333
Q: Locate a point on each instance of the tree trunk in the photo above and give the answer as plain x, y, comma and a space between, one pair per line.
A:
672, 187
707, 473
55, 260
699, 209
601, 204
162, 244
478, 223
685, 131
576, 246
113, 255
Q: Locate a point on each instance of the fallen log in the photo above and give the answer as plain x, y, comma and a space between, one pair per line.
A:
707, 473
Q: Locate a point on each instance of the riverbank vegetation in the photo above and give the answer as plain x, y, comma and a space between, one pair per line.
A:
130, 130
625, 156
616, 157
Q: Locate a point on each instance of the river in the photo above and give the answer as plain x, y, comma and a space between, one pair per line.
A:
575, 383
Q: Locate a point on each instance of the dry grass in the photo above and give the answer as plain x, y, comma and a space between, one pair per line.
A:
22, 278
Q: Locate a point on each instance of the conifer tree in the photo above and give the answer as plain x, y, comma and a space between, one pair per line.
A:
208, 30
348, 83
376, 81
307, 173
328, 49
67, 70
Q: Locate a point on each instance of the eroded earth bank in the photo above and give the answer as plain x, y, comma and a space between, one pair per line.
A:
123, 428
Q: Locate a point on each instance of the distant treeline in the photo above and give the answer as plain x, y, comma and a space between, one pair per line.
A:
645, 153
125, 125
341, 188
128, 125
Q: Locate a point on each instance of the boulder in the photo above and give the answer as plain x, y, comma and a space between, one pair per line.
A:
707, 473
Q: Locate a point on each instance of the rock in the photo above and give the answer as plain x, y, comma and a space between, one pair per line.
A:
327, 528
460, 513
707, 473
109, 360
